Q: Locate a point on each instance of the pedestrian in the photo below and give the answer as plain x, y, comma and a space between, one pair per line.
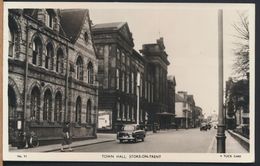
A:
66, 137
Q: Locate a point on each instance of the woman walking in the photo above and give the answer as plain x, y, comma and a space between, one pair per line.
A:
66, 137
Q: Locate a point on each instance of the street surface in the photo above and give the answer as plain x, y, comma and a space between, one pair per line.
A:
180, 141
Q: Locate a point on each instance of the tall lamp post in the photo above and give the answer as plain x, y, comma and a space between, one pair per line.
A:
137, 95
221, 138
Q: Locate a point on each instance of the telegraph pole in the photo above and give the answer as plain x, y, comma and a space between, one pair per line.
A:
221, 138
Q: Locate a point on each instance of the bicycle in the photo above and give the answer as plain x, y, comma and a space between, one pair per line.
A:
30, 140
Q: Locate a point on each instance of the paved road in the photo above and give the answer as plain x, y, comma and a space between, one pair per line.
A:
181, 141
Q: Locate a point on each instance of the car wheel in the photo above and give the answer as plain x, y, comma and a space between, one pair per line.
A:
142, 139
121, 141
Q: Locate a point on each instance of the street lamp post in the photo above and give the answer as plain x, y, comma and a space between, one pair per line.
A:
137, 95
221, 147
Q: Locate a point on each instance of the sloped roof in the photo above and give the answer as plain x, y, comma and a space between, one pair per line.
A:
178, 98
72, 21
108, 26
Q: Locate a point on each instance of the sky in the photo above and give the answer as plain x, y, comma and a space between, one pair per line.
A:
191, 40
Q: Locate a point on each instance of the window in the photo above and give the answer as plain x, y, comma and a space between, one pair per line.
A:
123, 81
118, 54
128, 113
47, 106
123, 112
141, 115
90, 73
141, 86
152, 93
11, 104
118, 110
79, 65
58, 107
11, 38
146, 87
59, 61
13, 35
35, 104
37, 51
149, 90
132, 82
78, 110
127, 61
88, 114
49, 19
123, 57
49, 57
127, 83
133, 114
117, 79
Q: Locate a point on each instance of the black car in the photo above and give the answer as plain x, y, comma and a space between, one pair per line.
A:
204, 126
131, 132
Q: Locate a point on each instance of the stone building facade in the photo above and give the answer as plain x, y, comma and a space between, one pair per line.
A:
51, 73
131, 85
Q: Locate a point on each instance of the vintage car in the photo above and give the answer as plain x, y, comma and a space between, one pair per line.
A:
131, 132
203, 126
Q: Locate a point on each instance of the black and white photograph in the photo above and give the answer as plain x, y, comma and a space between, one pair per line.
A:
145, 82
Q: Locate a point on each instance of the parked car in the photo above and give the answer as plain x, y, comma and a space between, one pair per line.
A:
204, 126
209, 126
131, 132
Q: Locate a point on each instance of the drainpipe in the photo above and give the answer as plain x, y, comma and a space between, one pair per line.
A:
26, 76
65, 118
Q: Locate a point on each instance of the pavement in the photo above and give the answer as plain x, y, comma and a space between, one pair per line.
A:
232, 145
204, 142
101, 138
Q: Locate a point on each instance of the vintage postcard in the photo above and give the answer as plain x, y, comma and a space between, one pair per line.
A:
135, 82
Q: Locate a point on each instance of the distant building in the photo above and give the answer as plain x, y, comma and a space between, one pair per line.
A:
183, 110
171, 99
127, 77
51, 74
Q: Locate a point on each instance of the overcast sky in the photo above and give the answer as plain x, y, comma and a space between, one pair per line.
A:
191, 40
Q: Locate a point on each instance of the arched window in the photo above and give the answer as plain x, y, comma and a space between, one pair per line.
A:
12, 35
35, 104
11, 40
58, 107
88, 114
37, 51
49, 57
90, 73
79, 65
47, 105
59, 61
78, 110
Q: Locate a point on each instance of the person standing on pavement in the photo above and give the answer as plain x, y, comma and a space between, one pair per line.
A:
66, 137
